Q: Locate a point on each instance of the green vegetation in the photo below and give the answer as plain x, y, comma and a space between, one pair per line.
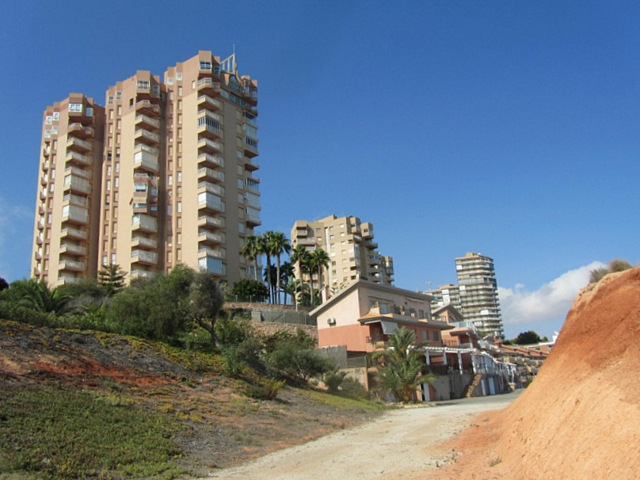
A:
615, 265
248, 290
399, 366
65, 434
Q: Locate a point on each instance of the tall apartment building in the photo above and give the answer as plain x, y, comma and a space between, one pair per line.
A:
173, 170
66, 225
479, 293
475, 295
351, 248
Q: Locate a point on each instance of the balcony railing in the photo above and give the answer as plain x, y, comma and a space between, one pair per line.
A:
209, 237
209, 103
147, 136
211, 252
76, 184
78, 172
211, 160
147, 107
71, 265
79, 130
72, 248
210, 145
78, 158
144, 222
211, 222
147, 161
144, 119
76, 233
211, 188
79, 145
143, 256
210, 174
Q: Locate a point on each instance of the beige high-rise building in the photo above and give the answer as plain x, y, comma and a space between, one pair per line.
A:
175, 182
351, 248
65, 239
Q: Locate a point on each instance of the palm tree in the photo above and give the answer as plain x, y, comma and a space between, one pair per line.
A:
278, 244
38, 296
264, 248
251, 250
299, 256
319, 260
400, 366
286, 275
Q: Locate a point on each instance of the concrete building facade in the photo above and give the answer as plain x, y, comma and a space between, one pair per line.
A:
170, 166
478, 289
351, 247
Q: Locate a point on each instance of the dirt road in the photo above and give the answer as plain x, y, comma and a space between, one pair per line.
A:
396, 446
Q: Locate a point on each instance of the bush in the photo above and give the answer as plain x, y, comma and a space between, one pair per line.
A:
333, 380
267, 390
300, 364
248, 290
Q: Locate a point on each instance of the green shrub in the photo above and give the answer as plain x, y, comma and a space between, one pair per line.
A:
267, 390
333, 381
300, 364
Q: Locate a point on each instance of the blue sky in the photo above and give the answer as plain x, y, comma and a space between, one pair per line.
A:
500, 127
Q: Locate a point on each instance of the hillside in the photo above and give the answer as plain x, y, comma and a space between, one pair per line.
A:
74, 379
579, 418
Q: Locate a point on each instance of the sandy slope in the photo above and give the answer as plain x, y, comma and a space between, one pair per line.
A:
394, 446
579, 419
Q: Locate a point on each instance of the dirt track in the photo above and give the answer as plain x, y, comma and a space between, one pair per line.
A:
396, 446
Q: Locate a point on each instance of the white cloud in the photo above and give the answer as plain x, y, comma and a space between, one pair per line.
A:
549, 303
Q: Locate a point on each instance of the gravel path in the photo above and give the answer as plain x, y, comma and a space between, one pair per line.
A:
396, 446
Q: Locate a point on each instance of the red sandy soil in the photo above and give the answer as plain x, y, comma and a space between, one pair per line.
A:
580, 418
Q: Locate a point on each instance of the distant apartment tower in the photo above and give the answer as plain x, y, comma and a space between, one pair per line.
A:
173, 171
66, 229
478, 291
351, 248
445, 295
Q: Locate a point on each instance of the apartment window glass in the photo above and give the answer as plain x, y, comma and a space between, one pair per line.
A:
75, 107
169, 81
89, 112
205, 65
179, 76
56, 116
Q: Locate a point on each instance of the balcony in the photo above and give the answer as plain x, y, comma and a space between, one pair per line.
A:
39, 240
73, 249
78, 159
209, 146
43, 194
45, 166
208, 160
144, 257
251, 164
147, 108
209, 103
210, 238
253, 218
144, 243
209, 131
147, 122
147, 137
76, 184
210, 174
75, 214
139, 273
211, 253
43, 181
210, 188
207, 85
41, 225
78, 172
207, 221
143, 160
80, 131
144, 223
73, 233
71, 265
78, 145
208, 201
70, 199
250, 147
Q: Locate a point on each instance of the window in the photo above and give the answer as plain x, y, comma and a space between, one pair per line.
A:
110, 101
143, 84
179, 78
156, 89
169, 80
118, 95
89, 112
75, 107
205, 65
56, 116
